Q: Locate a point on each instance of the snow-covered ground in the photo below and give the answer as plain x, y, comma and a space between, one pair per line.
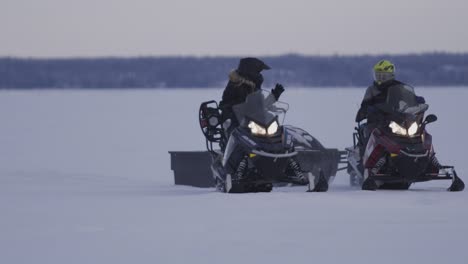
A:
85, 178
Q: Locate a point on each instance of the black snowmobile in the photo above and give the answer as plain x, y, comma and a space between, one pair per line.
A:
260, 152
398, 151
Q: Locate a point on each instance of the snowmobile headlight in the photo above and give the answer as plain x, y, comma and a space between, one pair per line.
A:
397, 129
256, 129
413, 129
273, 128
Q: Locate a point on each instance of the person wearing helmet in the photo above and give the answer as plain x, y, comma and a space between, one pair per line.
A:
384, 79
246, 79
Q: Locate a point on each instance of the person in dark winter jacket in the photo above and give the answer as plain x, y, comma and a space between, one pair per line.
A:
246, 79
384, 79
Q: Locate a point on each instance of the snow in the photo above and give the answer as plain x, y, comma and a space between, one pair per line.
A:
85, 178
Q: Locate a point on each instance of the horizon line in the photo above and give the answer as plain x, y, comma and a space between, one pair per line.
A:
292, 54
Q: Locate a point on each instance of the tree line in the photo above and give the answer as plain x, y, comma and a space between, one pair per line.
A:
429, 69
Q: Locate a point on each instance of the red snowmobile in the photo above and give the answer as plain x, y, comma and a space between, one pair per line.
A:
398, 151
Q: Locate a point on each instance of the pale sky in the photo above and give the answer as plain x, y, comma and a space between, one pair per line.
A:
65, 28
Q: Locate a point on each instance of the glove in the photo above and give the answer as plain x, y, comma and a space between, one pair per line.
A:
277, 91
420, 100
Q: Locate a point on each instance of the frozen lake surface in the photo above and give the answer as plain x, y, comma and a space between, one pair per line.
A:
85, 178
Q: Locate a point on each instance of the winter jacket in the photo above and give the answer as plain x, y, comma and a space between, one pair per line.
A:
236, 92
237, 89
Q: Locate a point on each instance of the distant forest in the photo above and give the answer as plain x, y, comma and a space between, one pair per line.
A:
429, 69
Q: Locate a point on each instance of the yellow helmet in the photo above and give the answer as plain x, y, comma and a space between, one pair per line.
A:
384, 71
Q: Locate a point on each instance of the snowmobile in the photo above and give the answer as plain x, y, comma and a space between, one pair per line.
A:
258, 153
398, 151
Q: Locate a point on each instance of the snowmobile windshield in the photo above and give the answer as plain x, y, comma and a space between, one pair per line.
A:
401, 99
262, 108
